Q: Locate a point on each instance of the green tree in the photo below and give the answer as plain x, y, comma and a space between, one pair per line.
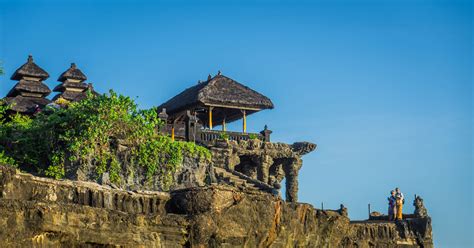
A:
94, 131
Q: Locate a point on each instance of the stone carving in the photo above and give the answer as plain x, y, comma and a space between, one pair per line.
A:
303, 148
266, 162
343, 210
420, 210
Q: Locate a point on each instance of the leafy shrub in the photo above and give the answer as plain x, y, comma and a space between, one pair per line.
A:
5, 160
224, 136
253, 136
92, 131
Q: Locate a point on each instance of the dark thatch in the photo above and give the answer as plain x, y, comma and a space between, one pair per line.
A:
29, 86
71, 96
220, 91
74, 96
73, 91
62, 87
25, 104
72, 73
30, 69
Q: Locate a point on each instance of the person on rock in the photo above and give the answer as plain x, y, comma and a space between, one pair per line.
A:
392, 206
400, 201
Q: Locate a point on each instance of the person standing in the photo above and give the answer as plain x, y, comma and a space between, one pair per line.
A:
392, 204
400, 199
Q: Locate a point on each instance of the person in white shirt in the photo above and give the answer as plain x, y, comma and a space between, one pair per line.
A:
400, 201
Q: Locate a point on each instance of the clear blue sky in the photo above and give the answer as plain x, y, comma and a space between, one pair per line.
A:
383, 87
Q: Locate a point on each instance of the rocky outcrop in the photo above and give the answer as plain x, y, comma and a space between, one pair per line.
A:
255, 162
40, 212
194, 171
266, 162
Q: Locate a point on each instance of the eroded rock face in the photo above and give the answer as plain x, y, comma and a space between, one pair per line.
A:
39, 212
193, 172
267, 162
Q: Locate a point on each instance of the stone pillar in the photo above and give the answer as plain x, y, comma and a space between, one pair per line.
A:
191, 131
164, 117
263, 168
266, 134
291, 172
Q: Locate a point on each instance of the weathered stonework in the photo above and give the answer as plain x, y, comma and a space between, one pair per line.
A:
261, 164
193, 172
40, 212
267, 162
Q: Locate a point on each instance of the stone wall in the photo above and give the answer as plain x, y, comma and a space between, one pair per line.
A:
39, 212
267, 162
192, 172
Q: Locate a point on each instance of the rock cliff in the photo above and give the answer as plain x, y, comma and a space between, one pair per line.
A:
40, 212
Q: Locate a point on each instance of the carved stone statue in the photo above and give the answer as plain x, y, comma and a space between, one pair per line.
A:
420, 210
343, 210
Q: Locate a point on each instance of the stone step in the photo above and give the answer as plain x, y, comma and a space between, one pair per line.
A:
234, 180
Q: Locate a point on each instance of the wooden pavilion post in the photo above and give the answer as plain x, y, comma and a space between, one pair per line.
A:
244, 122
172, 133
210, 117
224, 128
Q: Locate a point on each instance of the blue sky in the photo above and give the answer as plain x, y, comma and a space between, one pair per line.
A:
383, 87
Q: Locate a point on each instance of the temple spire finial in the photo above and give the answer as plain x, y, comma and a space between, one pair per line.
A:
73, 65
219, 73
30, 58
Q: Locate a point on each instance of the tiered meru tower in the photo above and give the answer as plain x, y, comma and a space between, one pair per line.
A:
72, 87
29, 94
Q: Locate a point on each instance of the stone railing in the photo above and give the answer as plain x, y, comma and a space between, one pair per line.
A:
191, 130
206, 135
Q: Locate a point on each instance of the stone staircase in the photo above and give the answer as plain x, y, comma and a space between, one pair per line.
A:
240, 180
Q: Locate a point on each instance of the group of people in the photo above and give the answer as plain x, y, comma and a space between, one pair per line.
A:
395, 205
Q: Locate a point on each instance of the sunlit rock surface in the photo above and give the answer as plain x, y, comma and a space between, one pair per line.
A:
39, 212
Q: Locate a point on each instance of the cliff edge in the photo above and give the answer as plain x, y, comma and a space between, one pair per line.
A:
41, 212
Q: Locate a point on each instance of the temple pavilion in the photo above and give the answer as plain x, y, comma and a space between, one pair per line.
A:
29, 94
72, 87
217, 101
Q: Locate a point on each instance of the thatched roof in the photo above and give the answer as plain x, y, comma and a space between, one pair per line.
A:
29, 86
62, 87
74, 96
72, 73
30, 69
71, 96
25, 104
222, 92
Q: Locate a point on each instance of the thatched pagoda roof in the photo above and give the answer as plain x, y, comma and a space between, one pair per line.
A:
72, 73
73, 87
26, 104
62, 87
74, 96
30, 87
71, 96
30, 69
219, 91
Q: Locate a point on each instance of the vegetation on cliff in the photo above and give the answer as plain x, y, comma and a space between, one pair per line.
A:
94, 131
